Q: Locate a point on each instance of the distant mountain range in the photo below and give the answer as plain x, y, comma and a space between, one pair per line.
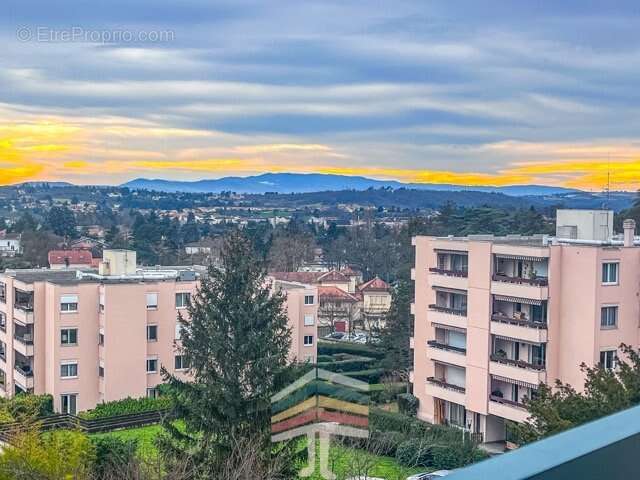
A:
317, 182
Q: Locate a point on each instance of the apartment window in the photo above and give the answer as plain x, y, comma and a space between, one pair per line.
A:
69, 336
609, 317
457, 414
3, 351
152, 333
610, 272
101, 304
101, 339
308, 299
69, 303
68, 403
181, 362
3, 292
308, 340
69, 370
608, 359
3, 380
178, 334
308, 320
152, 365
152, 392
152, 301
3, 322
182, 299
101, 371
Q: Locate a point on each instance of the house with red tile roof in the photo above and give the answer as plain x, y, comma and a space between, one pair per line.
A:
71, 259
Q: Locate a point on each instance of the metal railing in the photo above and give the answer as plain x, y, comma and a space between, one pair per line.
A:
536, 282
25, 371
519, 321
26, 339
444, 346
452, 311
68, 421
506, 401
516, 363
450, 273
445, 385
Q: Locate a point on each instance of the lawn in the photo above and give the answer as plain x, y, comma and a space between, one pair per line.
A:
343, 461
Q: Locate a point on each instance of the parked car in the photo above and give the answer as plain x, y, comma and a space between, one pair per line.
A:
335, 336
430, 476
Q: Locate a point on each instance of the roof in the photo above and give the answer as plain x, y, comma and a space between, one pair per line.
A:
333, 276
70, 257
9, 236
568, 454
375, 284
350, 272
335, 293
301, 277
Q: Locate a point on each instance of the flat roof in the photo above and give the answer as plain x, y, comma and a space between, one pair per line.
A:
560, 449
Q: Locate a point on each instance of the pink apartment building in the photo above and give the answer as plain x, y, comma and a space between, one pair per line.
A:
90, 336
495, 317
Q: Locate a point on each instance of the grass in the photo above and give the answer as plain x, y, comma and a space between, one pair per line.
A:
345, 462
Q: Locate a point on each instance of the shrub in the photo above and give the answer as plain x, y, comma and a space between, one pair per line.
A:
28, 405
127, 406
408, 404
330, 348
414, 453
385, 443
456, 455
325, 358
371, 375
350, 365
111, 453
386, 392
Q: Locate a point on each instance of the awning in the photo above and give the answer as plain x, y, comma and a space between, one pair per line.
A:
449, 290
519, 340
449, 327
527, 258
526, 301
520, 383
451, 252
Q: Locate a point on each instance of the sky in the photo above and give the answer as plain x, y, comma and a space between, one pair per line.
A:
464, 92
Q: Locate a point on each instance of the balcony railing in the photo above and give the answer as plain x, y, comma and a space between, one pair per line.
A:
25, 370
450, 273
26, 339
521, 322
537, 282
27, 307
516, 363
505, 401
444, 346
452, 311
445, 385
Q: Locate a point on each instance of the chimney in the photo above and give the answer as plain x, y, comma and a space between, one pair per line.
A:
629, 227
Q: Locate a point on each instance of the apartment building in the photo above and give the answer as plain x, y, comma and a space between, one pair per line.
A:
89, 336
495, 317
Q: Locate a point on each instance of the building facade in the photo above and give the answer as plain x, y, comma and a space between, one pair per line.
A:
10, 244
87, 337
495, 317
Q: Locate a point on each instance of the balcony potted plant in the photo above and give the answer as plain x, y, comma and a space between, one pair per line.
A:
497, 393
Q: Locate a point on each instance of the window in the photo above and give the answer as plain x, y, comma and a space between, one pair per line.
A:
182, 299
3, 351
308, 299
152, 301
609, 317
101, 304
608, 359
3, 380
3, 322
68, 403
308, 320
3, 292
181, 362
101, 338
69, 336
101, 371
178, 331
69, 370
457, 414
152, 333
69, 303
308, 340
152, 392
610, 272
152, 365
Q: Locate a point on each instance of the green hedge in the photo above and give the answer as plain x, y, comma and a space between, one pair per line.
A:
372, 375
326, 347
386, 392
321, 388
351, 365
25, 405
127, 406
408, 404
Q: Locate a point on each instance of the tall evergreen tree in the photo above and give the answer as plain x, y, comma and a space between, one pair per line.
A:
394, 338
236, 344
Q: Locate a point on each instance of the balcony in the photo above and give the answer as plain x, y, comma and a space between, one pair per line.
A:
446, 391
449, 273
443, 277
517, 369
448, 310
445, 353
518, 290
502, 407
23, 313
412, 343
522, 329
535, 281
23, 375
